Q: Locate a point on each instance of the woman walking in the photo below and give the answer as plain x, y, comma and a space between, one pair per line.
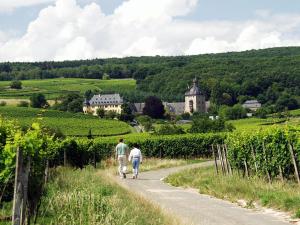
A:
136, 157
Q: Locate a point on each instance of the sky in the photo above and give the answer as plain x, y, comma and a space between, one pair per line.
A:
38, 30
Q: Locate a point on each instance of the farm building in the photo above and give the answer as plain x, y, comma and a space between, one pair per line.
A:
252, 105
108, 102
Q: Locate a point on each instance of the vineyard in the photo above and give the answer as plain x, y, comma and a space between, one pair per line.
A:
271, 153
69, 124
26, 156
52, 88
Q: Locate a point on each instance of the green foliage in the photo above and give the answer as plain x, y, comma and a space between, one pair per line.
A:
265, 151
2, 103
286, 101
38, 101
232, 113
168, 129
54, 88
202, 124
70, 124
72, 102
106, 77
16, 84
100, 112
23, 104
126, 114
146, 122
154, 107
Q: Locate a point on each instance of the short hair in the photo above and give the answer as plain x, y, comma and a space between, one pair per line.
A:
121, 140
136, 145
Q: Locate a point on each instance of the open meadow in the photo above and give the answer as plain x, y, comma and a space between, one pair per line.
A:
70, 124
52, 88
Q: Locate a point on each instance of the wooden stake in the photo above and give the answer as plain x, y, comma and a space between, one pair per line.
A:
281, 174
226, 152
225, 159
265, 157
254, 159
215, 158
294, 162
18, 190
246, 168
221, 159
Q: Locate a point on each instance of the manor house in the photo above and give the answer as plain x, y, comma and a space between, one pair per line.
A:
108, 102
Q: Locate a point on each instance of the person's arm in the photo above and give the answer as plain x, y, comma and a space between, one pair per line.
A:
141, 157
116, 152
130, 156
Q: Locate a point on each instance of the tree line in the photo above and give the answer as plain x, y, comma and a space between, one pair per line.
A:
225, 79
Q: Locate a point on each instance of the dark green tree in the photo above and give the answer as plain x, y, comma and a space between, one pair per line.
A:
154, 107
16, 84
38, 100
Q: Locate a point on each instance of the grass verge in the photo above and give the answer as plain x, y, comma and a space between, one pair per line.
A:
285, 197
89, 197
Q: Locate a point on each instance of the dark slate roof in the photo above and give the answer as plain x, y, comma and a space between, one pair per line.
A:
175, 107
138, 107
108, 99
194, 90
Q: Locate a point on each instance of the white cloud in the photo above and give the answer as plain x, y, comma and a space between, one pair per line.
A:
141, 27
10, 5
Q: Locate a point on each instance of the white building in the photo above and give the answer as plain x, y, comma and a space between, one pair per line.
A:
108, 102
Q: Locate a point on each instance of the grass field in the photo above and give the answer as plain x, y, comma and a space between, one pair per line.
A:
280, 196
52, 88
68, 123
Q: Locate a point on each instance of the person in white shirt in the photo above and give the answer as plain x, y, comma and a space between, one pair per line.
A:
136, 157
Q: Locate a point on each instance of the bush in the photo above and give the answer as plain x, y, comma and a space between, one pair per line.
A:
38, 101
3, 103
23, 104
202, 124
168, 129
16, 84
232, 113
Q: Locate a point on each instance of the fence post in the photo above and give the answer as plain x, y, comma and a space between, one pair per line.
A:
246, 168
225, 159
18, 189
294, 162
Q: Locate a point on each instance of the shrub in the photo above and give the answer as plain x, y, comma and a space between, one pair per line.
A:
38, 101
3, 103
23, 104
168, 129
16, 84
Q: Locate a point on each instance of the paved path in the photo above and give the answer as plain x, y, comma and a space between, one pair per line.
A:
192, 207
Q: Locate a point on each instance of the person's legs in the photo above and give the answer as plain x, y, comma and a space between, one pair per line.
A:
122, 164
135, 167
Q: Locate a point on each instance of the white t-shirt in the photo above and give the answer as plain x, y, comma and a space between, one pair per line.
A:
135, 153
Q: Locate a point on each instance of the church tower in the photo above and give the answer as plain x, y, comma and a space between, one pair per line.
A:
194, 99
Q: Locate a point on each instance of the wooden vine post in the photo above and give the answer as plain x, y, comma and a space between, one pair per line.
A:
265, 157
221, 159
20, 189
228, 163
215, 158
294, 162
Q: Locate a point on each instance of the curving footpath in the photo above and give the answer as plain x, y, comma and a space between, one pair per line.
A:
192, 207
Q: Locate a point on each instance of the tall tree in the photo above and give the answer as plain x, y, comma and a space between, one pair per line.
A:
154, 107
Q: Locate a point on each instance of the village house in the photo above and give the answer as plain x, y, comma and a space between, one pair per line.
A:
253, 105
108, 102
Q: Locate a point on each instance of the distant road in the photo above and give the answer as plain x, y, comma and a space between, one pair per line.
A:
192, 207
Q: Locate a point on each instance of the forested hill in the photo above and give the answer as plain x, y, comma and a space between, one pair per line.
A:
225, 77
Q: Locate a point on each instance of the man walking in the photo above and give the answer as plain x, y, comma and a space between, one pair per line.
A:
121, 156
136, 157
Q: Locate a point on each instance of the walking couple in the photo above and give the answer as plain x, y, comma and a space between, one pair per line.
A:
135, 156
